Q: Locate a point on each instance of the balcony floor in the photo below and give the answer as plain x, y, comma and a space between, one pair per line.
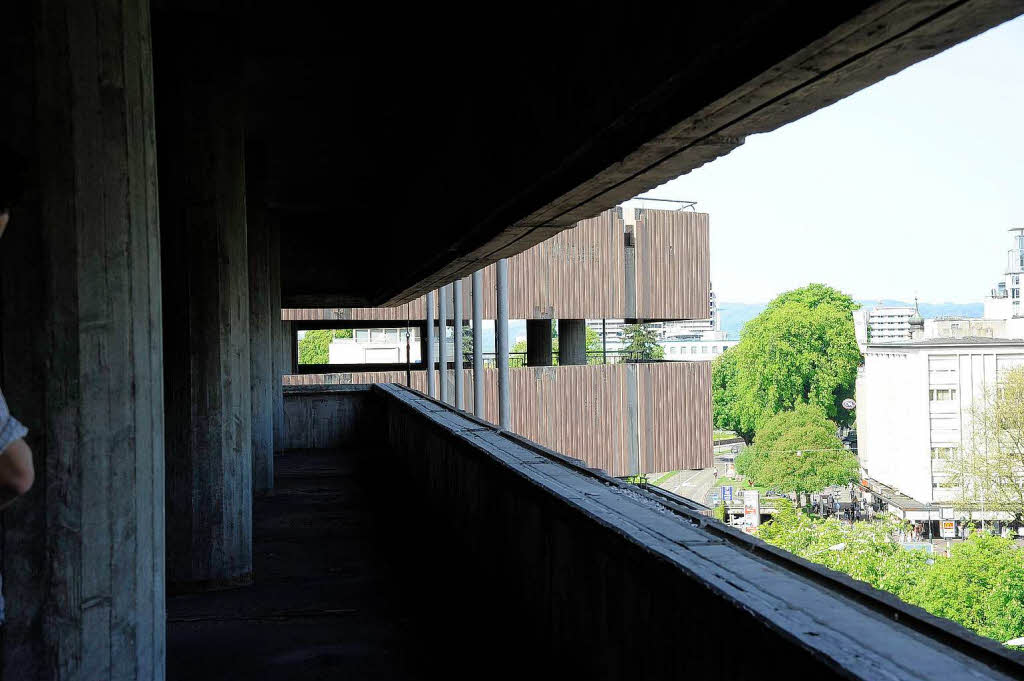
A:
325, 603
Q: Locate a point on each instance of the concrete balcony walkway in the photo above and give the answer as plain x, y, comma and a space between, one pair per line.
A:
324, 604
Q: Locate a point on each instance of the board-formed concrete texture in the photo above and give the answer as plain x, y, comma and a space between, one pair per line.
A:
475, 148
593, 576
205, 253
81, 345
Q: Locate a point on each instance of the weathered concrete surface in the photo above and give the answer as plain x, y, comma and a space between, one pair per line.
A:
206, 305
538, 342
261, 337
585, 576
81, 345
597, 130
572, 341
328, 600
277, 327
323, 417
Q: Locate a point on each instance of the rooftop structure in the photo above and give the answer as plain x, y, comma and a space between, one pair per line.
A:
1003, 301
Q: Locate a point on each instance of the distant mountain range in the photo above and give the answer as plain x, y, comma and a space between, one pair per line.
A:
734, 315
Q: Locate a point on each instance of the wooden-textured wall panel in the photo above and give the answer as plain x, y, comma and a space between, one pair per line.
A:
580, 274
582, 411
674, 414
673, 279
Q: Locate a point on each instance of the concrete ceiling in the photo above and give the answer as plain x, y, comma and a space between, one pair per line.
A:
405, 147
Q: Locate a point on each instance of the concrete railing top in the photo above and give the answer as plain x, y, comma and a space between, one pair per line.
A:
863, 632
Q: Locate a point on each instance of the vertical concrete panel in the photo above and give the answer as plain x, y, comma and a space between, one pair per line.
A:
261, 365
276, 330
538, 342
83, 554
206, 304
572, 341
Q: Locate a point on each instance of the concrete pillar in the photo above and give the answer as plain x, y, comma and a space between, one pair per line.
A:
431, 339
501, 344
206, 304
276, 330
81, 345
460, 398
538, 342
442, 339
261, 338
478, 343
572, 341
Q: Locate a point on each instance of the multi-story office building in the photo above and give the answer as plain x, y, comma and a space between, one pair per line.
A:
883, 324
914, 401
915, 395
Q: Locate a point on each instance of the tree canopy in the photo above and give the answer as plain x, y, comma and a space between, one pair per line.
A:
314, 346
642, 342
980, 585
988, 468
798, 451
801, 349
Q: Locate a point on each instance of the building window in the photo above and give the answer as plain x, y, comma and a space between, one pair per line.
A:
943, 453
942, 394
362, 335
1016, 279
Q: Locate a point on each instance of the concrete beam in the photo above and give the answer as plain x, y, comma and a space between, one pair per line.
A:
478, 343
206, 305
460, 398
82, 344
597, 131
431, 342
443, 295
501, 345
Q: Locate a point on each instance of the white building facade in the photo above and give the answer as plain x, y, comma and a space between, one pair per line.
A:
1004, 301
914, 402
883, 324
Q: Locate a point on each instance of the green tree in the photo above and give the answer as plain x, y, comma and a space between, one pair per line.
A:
981, 586
989, 469
314, 345
863, 550
642, 342
802, 348
798, 451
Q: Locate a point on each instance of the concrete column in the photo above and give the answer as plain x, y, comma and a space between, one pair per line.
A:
261, 337
431, 339
538, 342
206, 304
478, 343
501, 343
442, 339
277, 332
572, 341
460, 398
81, 345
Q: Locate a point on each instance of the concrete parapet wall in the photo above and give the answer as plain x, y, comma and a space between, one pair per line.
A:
324, 417
581, 575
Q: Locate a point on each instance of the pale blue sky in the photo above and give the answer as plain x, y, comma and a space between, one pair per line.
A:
907, 187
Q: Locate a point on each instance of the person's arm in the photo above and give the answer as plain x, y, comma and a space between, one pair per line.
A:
16, 472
